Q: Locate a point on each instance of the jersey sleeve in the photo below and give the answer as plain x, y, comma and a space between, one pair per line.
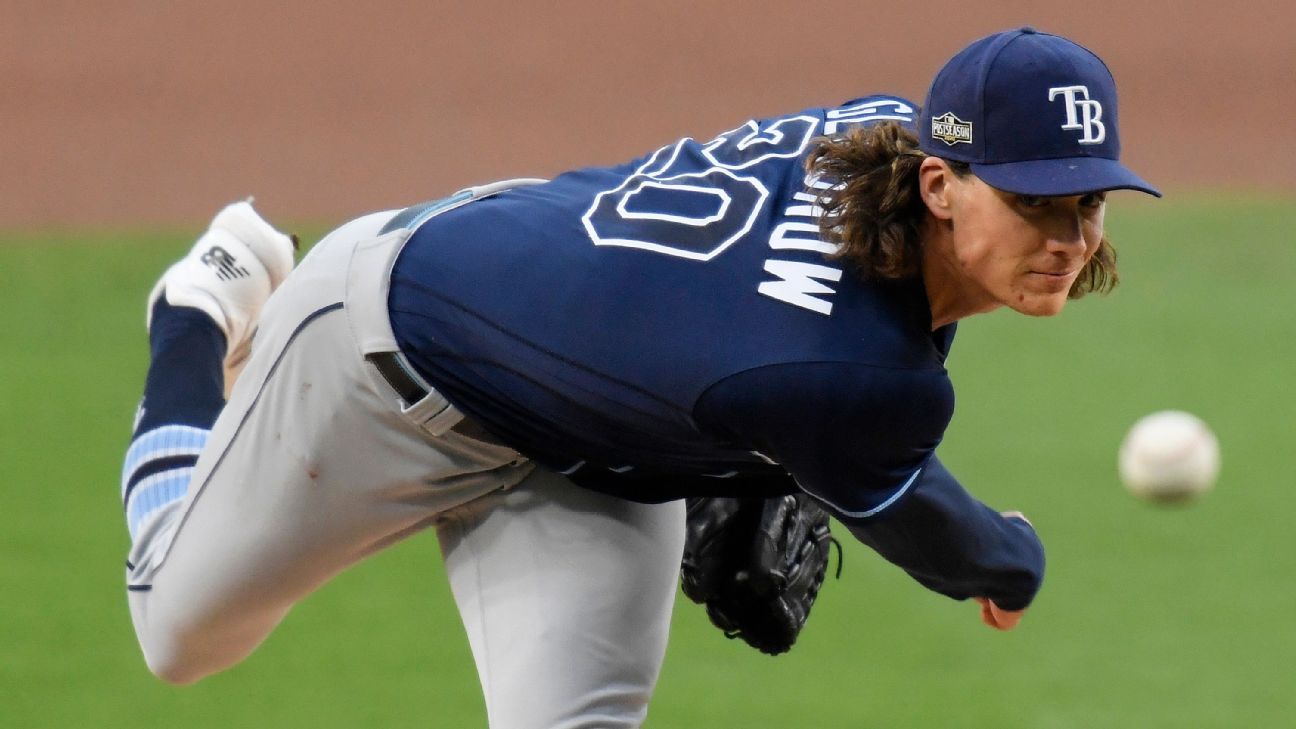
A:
862, 441
955, 545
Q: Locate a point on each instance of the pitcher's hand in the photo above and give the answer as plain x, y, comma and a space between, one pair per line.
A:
996, 617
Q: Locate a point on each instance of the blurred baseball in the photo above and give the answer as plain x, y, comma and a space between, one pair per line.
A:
1169, 457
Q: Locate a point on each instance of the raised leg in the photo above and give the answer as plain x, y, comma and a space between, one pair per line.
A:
309, 468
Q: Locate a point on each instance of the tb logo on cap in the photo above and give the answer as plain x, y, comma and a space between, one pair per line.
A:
1081, 112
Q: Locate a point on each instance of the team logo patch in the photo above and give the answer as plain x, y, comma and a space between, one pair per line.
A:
951, 129
1083, 114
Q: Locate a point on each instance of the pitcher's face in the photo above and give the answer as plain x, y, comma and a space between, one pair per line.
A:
1019, 251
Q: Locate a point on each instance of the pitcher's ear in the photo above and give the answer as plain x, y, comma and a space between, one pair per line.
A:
938, 184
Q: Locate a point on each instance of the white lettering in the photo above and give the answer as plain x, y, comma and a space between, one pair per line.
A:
952, 131
1069, 96
867, 112
805, 211
1081, 113
1093, 123
797, 284
781, 238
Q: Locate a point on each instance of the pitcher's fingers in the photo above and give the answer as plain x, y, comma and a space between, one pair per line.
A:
997, 618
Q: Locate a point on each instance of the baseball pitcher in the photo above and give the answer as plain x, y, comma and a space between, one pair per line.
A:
546, 372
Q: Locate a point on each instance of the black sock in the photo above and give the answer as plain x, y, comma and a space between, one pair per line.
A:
183, 395
186, 380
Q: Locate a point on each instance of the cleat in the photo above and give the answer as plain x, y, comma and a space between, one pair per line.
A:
229, 273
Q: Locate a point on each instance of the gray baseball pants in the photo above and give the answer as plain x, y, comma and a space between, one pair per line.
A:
315, 463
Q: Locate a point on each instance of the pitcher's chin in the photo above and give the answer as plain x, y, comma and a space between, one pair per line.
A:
1041, 305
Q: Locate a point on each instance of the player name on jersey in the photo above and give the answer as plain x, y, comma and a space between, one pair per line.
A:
800, 283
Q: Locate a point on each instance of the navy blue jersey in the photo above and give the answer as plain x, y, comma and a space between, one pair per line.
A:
677, 325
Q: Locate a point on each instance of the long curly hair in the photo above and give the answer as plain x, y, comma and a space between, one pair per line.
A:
874, 213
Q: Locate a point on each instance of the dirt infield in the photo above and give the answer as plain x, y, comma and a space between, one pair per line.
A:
154, 113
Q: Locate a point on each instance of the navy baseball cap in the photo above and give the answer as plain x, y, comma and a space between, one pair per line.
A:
1031, 113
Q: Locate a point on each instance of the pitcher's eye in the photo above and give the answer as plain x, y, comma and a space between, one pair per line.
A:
1032, 201
1093, 200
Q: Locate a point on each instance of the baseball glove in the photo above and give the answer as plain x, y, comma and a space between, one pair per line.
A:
757, 565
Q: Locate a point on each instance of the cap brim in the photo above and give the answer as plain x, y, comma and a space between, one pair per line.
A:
1070, 176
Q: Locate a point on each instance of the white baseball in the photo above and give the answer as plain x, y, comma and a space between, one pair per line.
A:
1169, 457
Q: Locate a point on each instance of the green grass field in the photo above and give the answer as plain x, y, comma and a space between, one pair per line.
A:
1150, 617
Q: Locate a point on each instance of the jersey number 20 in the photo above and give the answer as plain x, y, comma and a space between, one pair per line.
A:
694, 201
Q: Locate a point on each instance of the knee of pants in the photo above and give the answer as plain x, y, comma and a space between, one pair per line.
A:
171, 666
166, 656
181, 647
